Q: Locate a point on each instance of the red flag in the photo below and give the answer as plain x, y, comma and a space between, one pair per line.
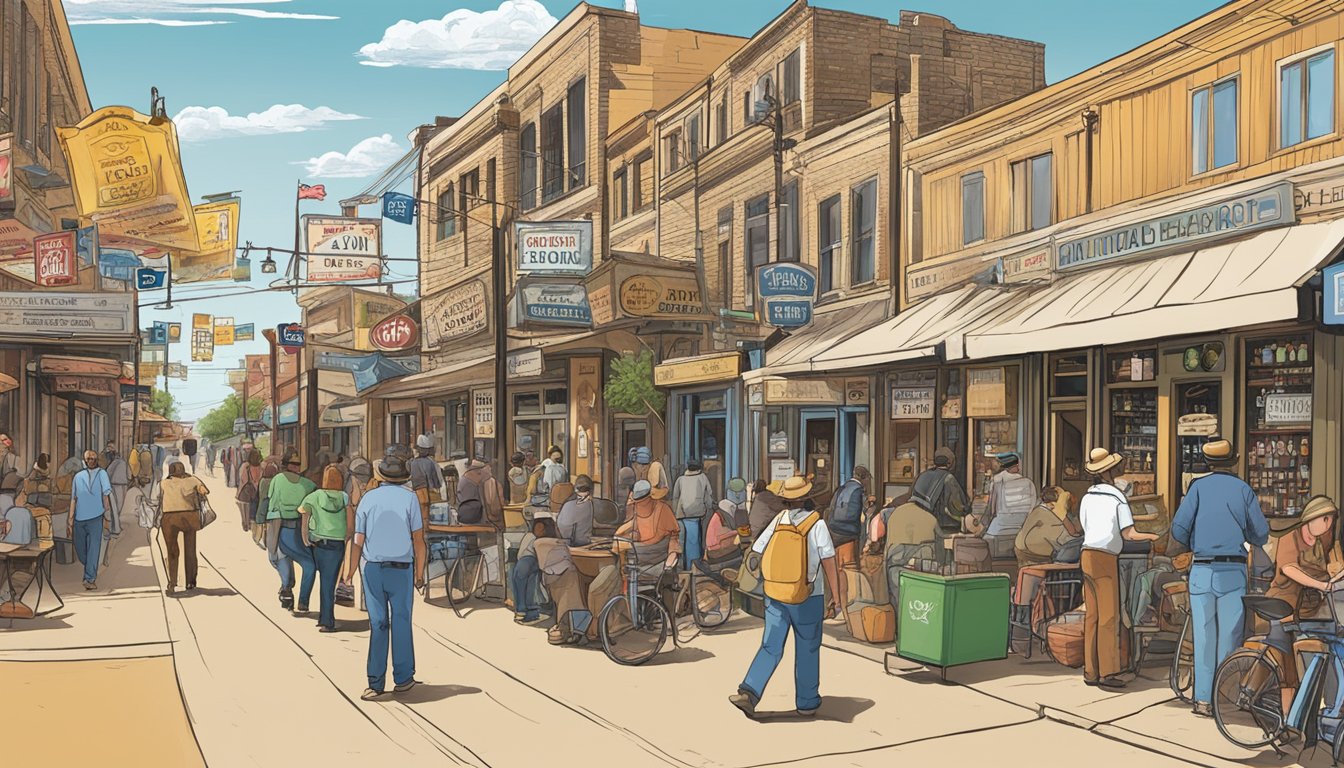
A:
312, 192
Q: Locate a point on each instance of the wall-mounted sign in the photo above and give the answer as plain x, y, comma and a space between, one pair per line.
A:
399, 207
84, 385
599, 299
912, 402
202, 321
176, 371
79, 366
788, 313
215, 257
856, 392
525, 363
368, 369
661, 297
54, 259
781, 470
986, 393
37, 313
674, 373
1269, 207
483, 413
756, 394
342, 248
453, 314
1288, 409
86, 245
150, 371
1318, 197
1197, 425
1332, 309
788, 292
803, 392
370, 308
394, 333
926, 279
290, 335
556, 304
245, 332
1026, 267
555, 247
289, 412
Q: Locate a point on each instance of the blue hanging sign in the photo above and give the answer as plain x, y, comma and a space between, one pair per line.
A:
290, 334
86, 245
556, 304
158, 333
399, 207
148, 278
782, 279
1332, 309
119, 265
788, 312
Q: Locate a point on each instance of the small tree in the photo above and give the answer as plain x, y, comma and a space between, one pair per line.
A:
218, 424
630, 388
163, 404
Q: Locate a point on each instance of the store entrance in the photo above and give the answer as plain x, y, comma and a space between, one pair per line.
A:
709, 431
819, 447
1069, 450
1198, 417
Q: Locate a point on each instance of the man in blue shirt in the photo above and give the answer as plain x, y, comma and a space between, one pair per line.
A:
1218, 517
90, 505
390, 536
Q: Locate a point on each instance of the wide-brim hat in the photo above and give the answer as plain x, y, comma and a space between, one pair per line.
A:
392, 470
1219, 451
1317, 507
640, 490
795, 487
1100, 460
660, 492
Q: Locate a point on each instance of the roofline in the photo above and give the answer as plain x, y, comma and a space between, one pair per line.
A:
477, 110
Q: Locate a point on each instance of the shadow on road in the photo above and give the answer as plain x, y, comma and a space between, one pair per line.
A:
204, 592
358, 625
424, 694
681, 655
836, 709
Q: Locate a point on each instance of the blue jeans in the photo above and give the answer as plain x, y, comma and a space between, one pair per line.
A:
276, 554
526, 577
692, 540
89, 545
388, 594
328, 556
1217, 617
805, 621
291, 543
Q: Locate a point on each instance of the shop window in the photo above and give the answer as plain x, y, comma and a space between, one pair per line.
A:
757, 240
991, 404
863, 221
1137, 365
828, 243
789, 248
1068, 376
951, 419
445, 215
620, 194
1213, 125
792, 78
552, 153
527, 403
972, 208
527, 162
1307, 98
468, 192
557, 401
640, 195
578, 133
1134, 435
1033, 193
1278, 442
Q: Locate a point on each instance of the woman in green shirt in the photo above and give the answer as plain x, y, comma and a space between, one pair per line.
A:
328, 521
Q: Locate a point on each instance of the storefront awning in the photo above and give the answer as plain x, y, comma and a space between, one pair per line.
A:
1247, 282
442, 379
796, 353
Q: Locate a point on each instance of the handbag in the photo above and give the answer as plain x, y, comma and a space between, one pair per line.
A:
207, 513
247, 493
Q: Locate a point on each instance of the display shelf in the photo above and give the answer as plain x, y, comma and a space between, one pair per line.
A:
1278, 456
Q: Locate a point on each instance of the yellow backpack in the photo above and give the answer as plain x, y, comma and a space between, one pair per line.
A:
784, 565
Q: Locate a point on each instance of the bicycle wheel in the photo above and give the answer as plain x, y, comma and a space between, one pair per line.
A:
466, 580
633, 637
1181, 676
711, 603
1246, 700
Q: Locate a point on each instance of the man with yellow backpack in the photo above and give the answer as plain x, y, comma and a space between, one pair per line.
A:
795, 548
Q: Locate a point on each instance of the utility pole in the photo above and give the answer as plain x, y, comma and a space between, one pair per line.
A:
501, 267
269, 333
247, 418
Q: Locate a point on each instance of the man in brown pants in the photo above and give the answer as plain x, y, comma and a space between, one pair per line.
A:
1107, 524
179, 500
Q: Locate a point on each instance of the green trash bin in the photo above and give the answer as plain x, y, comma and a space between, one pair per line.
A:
945, 621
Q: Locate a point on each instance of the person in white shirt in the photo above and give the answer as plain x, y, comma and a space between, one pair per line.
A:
804, 619
1107, 524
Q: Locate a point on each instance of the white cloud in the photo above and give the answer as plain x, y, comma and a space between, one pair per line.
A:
164, 12
204, 123
464, 39
370, 156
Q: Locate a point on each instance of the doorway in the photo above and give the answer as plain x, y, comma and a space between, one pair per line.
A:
819, 454
709, 432
1197, 417
1068, 450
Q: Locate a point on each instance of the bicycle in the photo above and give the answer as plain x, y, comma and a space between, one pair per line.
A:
634, 626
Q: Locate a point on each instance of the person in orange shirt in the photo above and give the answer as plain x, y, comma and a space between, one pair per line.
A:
656, 548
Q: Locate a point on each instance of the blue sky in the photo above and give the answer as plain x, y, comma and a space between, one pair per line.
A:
362, 87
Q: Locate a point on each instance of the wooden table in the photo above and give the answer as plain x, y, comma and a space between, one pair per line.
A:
40, 557
589, 560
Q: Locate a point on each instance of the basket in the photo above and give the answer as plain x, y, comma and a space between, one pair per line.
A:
1064, 638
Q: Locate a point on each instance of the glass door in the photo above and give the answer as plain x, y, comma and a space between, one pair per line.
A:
1198, 418
819, 454
1068, 450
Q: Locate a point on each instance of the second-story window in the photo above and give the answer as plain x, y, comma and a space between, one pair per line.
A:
1033, 193
1307, 98
620, 194
527, 163
972, 208
445, 215
693, 138
792, 78
578, 134
552, 154
721, 119
724, 232
641, 177
863, 220
1213, 125
828, 243
468, 191
673, 153
789, 249
30, 73
757, 240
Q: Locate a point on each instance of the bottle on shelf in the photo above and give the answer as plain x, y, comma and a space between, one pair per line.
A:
1280, 353
1260, 400
1149, 368
1135, 367
1291, 355
1267, 354
1303, 352
1305, 450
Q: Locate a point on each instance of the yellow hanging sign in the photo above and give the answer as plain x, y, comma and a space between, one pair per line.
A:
223, 331
214, 257
199, 321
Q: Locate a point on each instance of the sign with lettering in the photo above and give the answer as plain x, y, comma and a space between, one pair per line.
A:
202, 345
394, 333
223, 331
856, 392
1287, 408
370, 308
925, 279
986, 393
1269, 207
723, 367
1025, 267
1332, 308
54, 259
453, 314
555, 247
788, 313
149, 278
483, 413
525, 363
399, 207
802, 392
39, 313
1310, 199
245, 332
785, 279
343, 248
599, 300
661, 297
290, 335
912, 402
556, 304
84, 385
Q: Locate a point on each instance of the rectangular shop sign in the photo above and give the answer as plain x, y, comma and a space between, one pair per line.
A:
669, 297
223, 331
788, 313
802, 392
202, 345
1026, 267
924, 280
199, 321
54, 259
554, 247
174, 333
342, 248
986, 393
289, 412
556, 304
399, 207
781, 470
370, 310
245, 332
525, 363
710, 368
40, 313
483, 413
1261, 209
1332, 309
856, 392
912, 402
599, 300
150, 371
149, 278
1288, 408
158, 333
86, 245
215, 254
177, 371
453, 314
79, 366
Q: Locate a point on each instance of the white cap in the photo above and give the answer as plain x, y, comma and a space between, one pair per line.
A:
424, 441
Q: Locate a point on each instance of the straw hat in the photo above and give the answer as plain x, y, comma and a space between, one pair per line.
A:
1101, 460
1316, 508
660, 492
795, 487
1220, 451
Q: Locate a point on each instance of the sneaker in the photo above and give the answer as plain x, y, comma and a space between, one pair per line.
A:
170, 590
1203, 709
1112, 682
370, 694
807, 712
745, 702
89, 585
301, 608
406, 686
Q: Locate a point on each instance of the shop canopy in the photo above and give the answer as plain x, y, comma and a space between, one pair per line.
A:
796, 353
1247, 282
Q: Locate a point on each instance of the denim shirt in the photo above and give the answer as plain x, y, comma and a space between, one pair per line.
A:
1218, 515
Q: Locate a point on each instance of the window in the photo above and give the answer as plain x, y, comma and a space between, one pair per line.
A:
972, 208
756, 105
863, 220
30, 51
792, 78
552, 154
468, 191
620, 194
724, 231
640, 196
828, 243
693, 137
490, 180
578, 134
789, 247
527, 185
673, 144
445, 214
1213, 126
721, 119
1033, 193
1307, 99
757, 243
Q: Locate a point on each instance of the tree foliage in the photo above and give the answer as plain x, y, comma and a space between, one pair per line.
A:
630, 388
218, 424
163, 404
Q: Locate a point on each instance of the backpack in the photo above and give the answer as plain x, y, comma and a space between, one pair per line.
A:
842, 520
784, 564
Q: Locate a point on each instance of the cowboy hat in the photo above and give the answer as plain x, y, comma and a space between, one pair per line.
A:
392, 470
660, 492
641, 490
795, 487
1100, 460
1316, 507
1219, 451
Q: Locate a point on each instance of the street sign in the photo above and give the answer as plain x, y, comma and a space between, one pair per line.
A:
149, 278
289, 335
399, 207
554, 247
158, 333
394, 333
